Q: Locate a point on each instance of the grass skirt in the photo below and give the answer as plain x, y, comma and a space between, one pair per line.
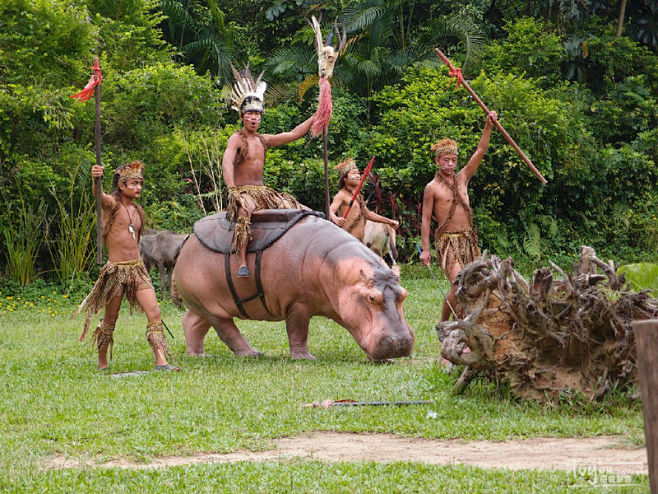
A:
456, 247
252, 198
129, 276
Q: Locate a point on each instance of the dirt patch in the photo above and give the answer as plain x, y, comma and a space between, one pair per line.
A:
603, 453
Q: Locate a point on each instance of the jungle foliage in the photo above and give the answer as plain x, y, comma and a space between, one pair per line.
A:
577, 95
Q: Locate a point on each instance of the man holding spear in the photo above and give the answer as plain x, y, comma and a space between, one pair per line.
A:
446, 197
124, 273
244, 157
348, 209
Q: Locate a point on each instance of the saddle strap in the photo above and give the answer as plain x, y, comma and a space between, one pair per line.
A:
259, 293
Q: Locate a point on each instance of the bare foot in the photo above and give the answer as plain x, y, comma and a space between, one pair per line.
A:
302, 356
167, 367
249, 353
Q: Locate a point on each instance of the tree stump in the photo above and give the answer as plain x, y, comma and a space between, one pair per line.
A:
549, 336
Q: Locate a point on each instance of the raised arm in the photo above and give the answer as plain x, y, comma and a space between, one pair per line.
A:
469, 170
286, 137
107, 201
425, 226
228, 160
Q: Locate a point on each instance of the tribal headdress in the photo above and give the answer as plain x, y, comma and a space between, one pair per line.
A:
444, 146
128, 172
247, 94
346, 166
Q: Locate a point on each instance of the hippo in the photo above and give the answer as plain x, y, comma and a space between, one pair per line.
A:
312, 267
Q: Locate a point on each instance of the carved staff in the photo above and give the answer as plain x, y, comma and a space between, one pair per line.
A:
326, 60
358, 189
94, 87
453, 72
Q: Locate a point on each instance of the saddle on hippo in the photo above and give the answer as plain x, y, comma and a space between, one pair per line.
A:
215, 232
303, 265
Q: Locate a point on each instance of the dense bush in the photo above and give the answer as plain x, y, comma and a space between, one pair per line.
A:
594, 140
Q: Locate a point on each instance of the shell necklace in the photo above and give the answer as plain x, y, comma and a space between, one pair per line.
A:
131, 228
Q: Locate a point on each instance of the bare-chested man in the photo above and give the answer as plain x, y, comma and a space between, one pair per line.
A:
446, 197
243, 162
355, 222
124, 273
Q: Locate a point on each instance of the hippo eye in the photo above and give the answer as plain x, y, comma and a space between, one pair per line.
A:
374, 298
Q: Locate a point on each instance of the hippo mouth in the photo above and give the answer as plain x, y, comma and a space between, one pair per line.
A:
391, 347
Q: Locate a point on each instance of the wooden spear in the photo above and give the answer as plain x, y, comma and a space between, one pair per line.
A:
98, 182
460, 80
94, 87
358, 189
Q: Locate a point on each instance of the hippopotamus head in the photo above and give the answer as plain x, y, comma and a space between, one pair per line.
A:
369, 305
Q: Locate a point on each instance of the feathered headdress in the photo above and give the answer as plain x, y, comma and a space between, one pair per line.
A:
129, 171
247, 94
346, 166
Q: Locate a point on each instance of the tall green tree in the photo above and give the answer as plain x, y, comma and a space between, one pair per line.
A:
201, 35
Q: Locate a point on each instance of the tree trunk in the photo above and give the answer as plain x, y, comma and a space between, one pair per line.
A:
620, 19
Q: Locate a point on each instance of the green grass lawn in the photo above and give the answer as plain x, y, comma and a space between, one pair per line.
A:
54, 402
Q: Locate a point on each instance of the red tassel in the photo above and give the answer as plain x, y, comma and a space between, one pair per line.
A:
323, 113
94, 81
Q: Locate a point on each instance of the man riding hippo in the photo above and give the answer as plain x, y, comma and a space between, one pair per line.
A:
244, 159
313, 268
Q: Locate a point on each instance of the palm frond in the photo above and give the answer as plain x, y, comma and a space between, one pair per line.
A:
532, 241
174, 10
281, 93
360, 17
465, 31
300, 58
369, 68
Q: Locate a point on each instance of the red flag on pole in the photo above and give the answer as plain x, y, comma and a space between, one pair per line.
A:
95, 80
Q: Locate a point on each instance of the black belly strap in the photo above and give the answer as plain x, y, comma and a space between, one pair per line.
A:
259, 287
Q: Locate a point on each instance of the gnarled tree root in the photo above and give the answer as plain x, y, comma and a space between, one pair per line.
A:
549, 336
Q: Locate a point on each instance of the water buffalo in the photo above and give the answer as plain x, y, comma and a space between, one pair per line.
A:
314, 268
160, 248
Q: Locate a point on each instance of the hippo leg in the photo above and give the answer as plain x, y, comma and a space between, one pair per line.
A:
195, 328
229, 333
297, 328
